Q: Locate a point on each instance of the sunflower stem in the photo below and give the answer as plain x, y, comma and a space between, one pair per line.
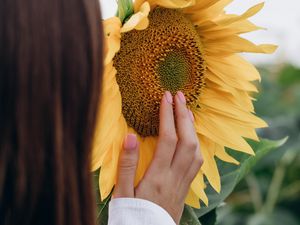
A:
277, 181
274, 188
255, 192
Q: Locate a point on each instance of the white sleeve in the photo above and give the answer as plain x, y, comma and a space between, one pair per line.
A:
134, 211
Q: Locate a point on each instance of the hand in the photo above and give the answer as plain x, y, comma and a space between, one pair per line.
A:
176, 161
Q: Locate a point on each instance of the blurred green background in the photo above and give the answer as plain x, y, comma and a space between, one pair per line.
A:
270, 194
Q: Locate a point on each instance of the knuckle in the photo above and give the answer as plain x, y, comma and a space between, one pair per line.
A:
168, 138
199, 160
190, 144
182, 114
156, 184
193, 145
196, 165
127, 165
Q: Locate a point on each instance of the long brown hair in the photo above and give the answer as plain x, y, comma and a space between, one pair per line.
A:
50, 78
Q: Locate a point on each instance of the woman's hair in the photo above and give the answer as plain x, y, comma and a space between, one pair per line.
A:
50, 80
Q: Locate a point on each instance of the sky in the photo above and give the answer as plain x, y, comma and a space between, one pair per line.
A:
281, 18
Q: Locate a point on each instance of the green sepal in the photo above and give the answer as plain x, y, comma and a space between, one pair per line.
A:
125, 10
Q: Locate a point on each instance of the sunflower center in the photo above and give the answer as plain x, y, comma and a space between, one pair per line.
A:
174, 70
168, 55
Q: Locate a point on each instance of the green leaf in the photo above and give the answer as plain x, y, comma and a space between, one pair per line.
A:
102, 206
261, 148
125, 9
231, 174
189, 217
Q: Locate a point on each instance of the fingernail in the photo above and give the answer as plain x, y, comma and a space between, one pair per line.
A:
181, 97
191, 116
130, 142
169, 97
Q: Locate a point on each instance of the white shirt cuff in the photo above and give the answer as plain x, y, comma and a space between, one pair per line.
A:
134, 211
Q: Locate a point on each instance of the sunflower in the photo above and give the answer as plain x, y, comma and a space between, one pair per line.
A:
187, 45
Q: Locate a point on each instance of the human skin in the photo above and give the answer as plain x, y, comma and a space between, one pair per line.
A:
176, 161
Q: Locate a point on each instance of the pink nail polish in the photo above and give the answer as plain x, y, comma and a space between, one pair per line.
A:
181, 97
130, 142
169, 97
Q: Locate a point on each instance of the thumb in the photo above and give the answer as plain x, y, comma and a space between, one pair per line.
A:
127, 168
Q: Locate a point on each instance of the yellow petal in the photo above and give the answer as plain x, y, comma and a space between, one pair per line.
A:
112, 32
222, 24
214, 101
209, 166
199, 5
112, 26
107, 129
198, 187
236, 97
235, 44
139, 20
103, 142
210, 13
219, 77
235, 125
220, 133
242, 120
108, 171
224, 156
147, 147
232, 19
137, 5
246, 69
244, 100
233, 66
173, 4
213, 81
106, 178
217, 31
192, 199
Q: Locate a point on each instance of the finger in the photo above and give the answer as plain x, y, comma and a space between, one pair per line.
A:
193, 170
127, 168
187, 139
191, 116
167, 139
